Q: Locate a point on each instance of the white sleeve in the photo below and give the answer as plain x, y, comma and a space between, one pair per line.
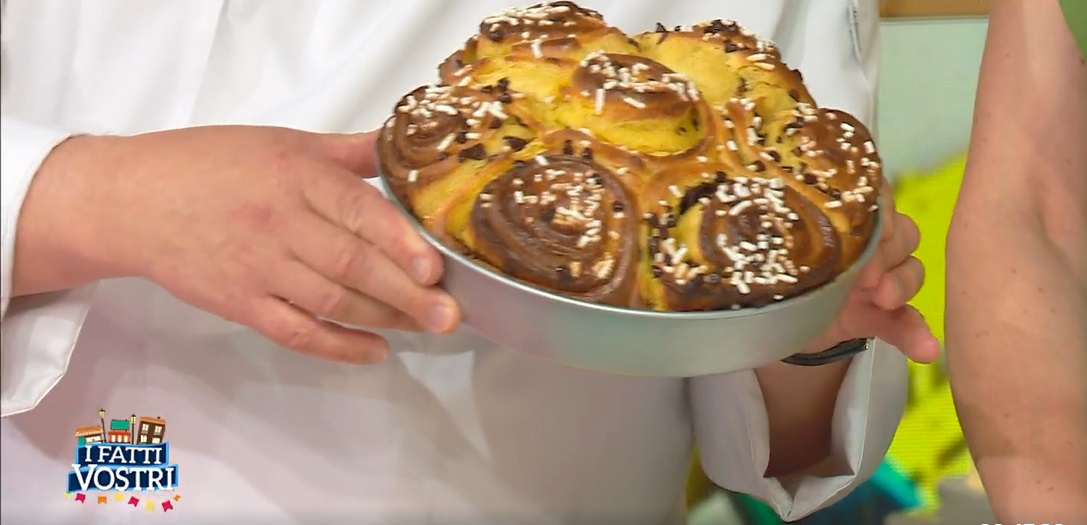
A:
732, 433
38, 331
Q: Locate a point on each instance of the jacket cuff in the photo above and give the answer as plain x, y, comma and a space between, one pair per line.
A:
38, 332
25, 146
732, 431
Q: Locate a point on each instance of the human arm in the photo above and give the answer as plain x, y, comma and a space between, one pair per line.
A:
736, 443
802, 437
38, 333
54, 247
1017, 270
267, 227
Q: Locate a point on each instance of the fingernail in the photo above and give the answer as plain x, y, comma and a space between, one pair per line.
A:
377, 355
439, 318
420, 270
371, 356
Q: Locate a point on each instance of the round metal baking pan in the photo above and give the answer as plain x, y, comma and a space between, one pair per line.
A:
626, 341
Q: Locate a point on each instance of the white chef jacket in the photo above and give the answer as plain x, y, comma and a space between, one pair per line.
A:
449, 429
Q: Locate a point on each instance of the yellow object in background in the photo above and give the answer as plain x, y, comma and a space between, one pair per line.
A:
929, 445
929, 199
699, 486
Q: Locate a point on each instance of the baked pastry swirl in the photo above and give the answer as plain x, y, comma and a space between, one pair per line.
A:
678, 169
560, 219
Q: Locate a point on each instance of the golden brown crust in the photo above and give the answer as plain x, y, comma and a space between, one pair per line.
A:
563, 221
541, 21
550, 32
438, 135
833, 161
715, 237
684, 169
727, 61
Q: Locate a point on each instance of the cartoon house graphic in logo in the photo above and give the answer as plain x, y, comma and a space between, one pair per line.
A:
151, 430
142, 430
118, 456
120, 431
89, 434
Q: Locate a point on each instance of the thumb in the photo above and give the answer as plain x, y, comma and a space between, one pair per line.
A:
905, 329
355, 152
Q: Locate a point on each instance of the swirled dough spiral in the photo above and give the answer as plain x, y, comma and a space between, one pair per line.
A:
679, 169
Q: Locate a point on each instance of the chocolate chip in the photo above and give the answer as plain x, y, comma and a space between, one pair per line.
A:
462, 137
720, 177
503, 84
475, 152
713, 278
505, 98
730, 47
810, 179
568, 147
656, 271
547, 214
758, 166
515, 143
495, 123
695, 195
587, 154
617, 206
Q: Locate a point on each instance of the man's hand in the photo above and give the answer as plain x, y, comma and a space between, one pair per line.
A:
877, 306
268, 227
